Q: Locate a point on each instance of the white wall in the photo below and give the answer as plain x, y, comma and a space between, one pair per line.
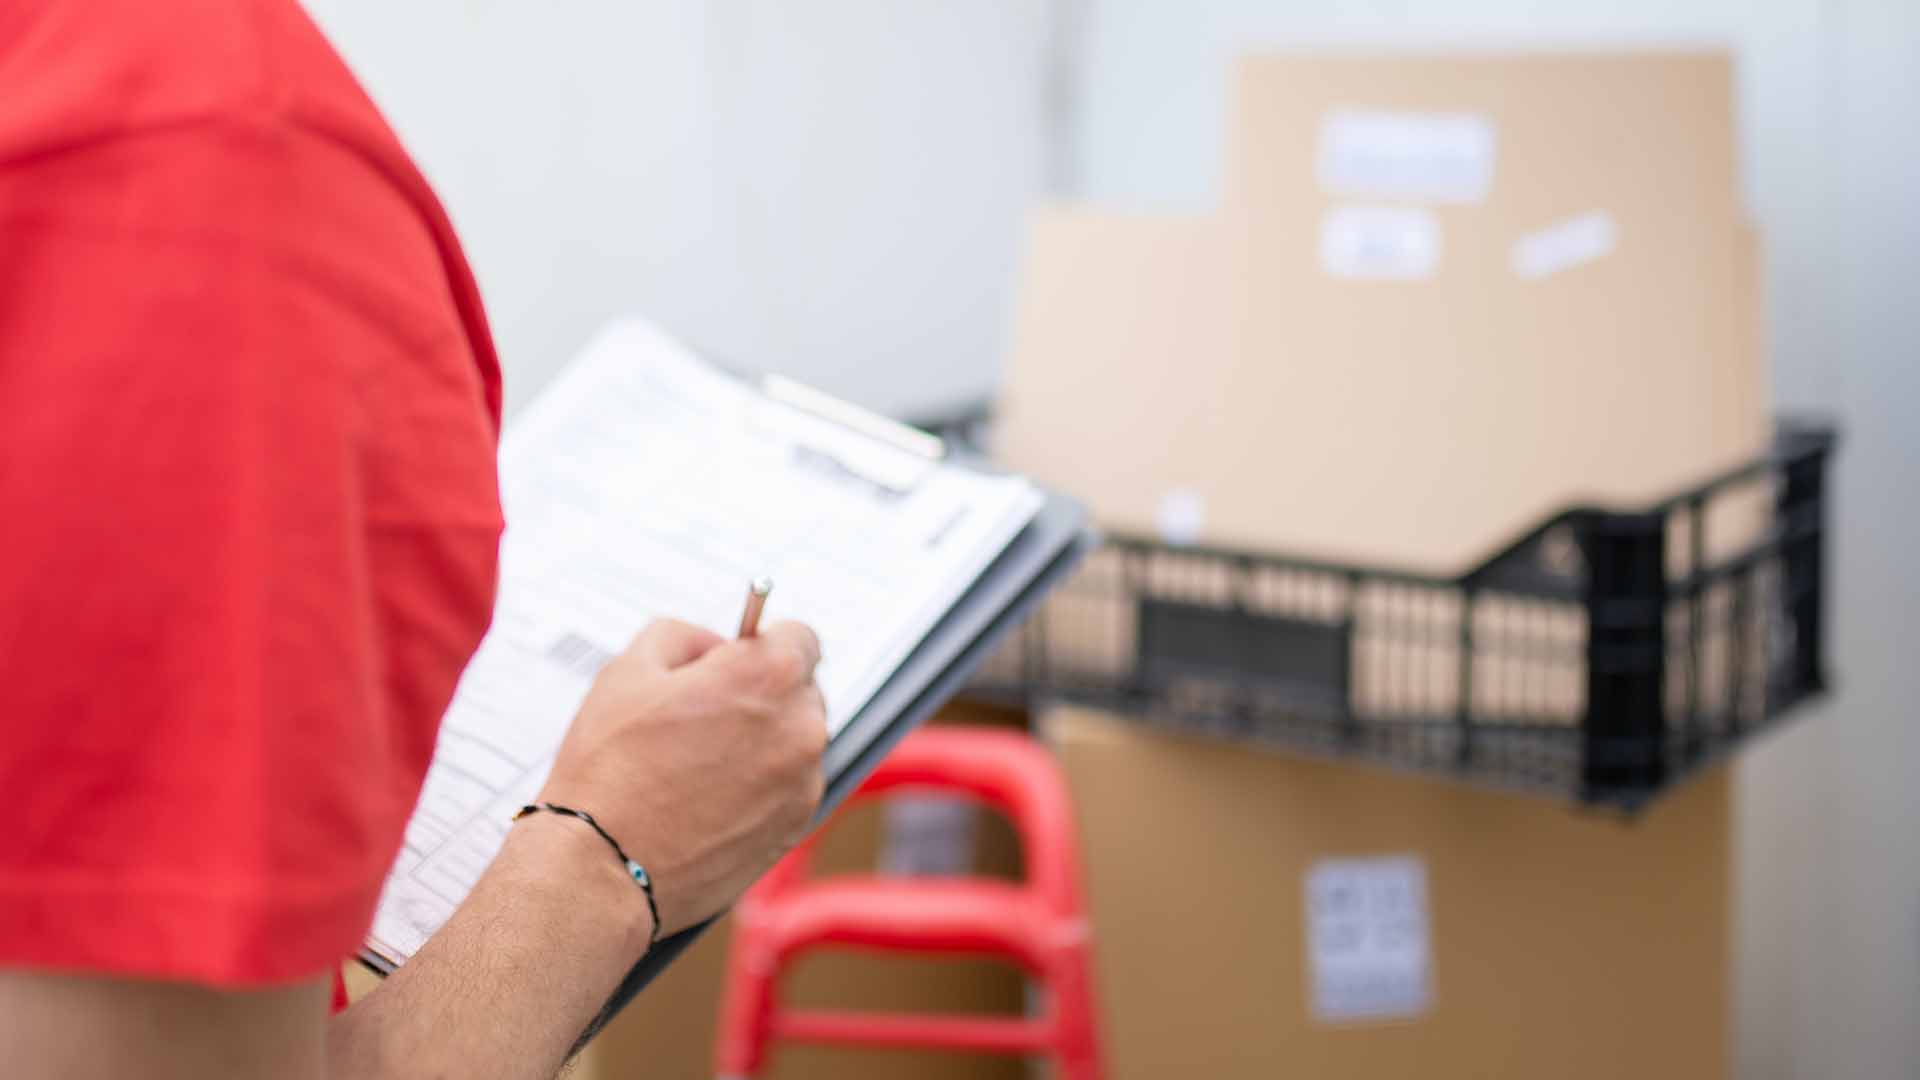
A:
832, 188
1828, 919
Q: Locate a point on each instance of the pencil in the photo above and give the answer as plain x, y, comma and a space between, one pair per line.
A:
757, 591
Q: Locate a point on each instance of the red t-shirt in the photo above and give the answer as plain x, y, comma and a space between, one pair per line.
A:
248, 510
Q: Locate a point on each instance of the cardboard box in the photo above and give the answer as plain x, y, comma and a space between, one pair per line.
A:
1557, 943
1406, 381
1407, 424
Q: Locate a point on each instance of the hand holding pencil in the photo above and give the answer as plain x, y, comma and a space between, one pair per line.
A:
701, 755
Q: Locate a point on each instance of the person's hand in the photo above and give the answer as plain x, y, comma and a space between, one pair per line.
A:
701, 756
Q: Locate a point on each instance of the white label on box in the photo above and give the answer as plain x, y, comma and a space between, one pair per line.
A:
928, 835
1367, 943
1181, 516
1413, 156
1380, 243
1563, 246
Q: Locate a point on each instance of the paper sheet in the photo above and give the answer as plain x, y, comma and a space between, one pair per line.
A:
1380, 243
1367, 938
1564, 245
1414, 156
643, 484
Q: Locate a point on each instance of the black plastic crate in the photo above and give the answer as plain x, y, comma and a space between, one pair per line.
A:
1603, 655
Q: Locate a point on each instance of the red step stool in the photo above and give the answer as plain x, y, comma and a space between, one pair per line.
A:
1040, 924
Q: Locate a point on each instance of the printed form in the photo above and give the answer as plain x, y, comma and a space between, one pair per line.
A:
644, 483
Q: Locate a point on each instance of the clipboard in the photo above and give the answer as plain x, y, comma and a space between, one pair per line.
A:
934, 668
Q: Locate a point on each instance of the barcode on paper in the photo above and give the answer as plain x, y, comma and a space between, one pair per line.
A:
578, 655
1367, 932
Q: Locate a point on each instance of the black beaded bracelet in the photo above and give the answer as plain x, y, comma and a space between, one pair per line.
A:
634, 870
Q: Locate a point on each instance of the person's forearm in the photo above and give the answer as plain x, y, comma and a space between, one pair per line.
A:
509, 984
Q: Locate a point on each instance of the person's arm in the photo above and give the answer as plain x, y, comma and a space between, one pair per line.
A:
511, 982
701, 756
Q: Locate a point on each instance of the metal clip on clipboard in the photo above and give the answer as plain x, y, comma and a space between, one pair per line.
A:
827, 407
886, 473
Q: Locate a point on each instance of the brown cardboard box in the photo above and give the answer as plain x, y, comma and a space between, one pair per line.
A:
1649, 345
1562, 944
1419, 417
1412, 424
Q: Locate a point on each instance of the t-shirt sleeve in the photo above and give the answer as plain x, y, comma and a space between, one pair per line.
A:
204, 779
